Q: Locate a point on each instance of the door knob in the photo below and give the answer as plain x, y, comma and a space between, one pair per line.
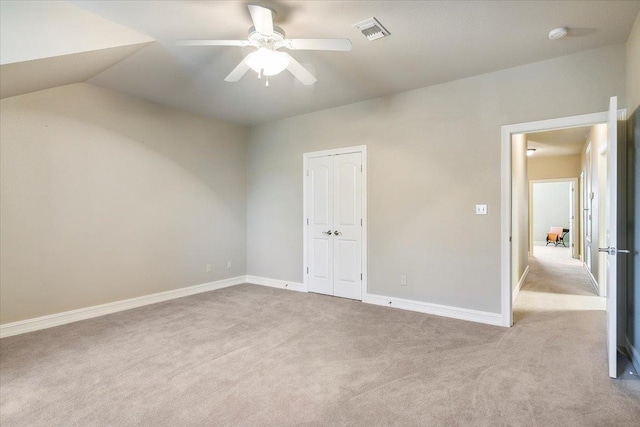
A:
328, 233
603, 250
337, 232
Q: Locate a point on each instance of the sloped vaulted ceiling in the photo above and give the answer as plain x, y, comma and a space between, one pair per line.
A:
45, 44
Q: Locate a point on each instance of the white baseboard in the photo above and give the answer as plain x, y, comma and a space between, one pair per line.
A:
44, 322
516, 291
275, 283
436, 309
49, 321
594, 282
635, 356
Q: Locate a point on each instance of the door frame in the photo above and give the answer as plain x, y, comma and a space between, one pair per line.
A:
305, 167
574, 201
506, 146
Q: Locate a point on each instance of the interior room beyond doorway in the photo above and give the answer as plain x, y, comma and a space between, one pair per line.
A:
552, 218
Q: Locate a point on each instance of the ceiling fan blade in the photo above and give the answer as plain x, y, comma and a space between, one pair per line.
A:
237, 73
212, 43
299, 72
262, 19
318, 44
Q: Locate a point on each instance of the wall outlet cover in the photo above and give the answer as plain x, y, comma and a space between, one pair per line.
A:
481, 209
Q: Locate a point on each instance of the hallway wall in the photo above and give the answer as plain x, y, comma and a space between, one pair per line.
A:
597, 138
520, 209
553, 167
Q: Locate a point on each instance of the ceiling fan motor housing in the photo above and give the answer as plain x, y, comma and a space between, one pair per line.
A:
260, 39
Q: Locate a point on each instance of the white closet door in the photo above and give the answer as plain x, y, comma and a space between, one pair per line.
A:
320, 229
347, 225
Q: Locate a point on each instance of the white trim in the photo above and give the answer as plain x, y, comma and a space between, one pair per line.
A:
57, 319
305, 166
516, 291
633, 353
275, 283
505, 197
594, 282
435, 309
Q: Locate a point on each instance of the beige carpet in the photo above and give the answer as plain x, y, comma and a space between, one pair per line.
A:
249, 355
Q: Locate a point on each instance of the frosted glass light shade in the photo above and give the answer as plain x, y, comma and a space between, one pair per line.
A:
270, 62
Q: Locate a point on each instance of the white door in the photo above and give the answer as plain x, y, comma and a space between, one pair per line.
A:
320, 225
572, 219
612, 237
347, 224
335, 225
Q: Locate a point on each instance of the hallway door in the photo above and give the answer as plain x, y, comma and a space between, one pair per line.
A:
573, 206
615, 217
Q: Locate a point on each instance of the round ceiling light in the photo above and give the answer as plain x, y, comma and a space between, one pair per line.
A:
268, 62
558, 33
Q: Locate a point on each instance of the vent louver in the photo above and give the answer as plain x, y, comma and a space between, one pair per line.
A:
372, 29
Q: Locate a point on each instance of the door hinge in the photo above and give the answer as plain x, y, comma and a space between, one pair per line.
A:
307, 270
360, 222
360, 168
360, 276
307, 172
307, 221
509, 238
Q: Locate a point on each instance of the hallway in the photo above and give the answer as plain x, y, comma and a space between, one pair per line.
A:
559, 303
556, 282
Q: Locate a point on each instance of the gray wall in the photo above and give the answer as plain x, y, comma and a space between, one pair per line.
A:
107, 197
550, 208
433, 154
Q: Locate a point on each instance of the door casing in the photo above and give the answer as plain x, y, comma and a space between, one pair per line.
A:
505, 198
305, 166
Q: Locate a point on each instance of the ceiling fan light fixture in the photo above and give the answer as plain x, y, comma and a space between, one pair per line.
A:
267, 62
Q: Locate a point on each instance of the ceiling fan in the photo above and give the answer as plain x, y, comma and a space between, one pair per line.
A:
266, 60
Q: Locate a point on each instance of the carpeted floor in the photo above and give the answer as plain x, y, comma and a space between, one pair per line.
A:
250, 355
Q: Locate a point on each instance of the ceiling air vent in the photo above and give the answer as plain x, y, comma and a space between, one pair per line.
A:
372, 29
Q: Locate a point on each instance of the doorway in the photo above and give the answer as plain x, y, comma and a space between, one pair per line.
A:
507, 139
334, 223
553, 204
610, 119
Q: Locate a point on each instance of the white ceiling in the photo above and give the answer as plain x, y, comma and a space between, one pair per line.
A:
431, 42
561, 142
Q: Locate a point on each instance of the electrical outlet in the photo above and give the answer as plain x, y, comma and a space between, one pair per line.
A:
403, 280
208, 268
481, 209
228, 264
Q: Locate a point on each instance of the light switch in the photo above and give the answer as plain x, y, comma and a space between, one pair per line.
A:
481, 209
